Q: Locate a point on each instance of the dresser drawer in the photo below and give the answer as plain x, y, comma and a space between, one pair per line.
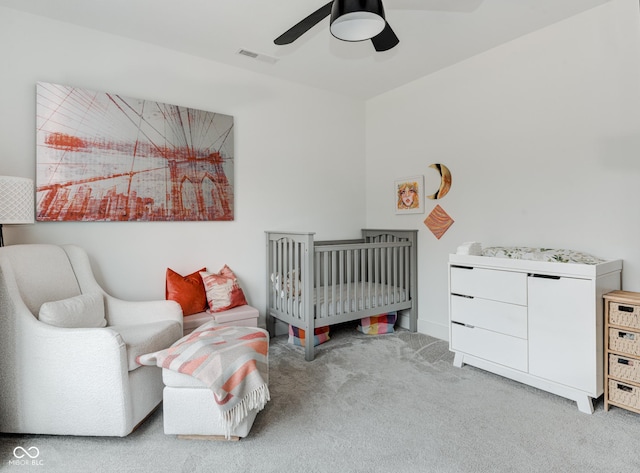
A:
491, 346
624, 341
626, 315
509, 319
624, 394
624, 367
503, 286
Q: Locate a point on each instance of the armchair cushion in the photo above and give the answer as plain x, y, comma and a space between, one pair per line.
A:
82, 311
147, 338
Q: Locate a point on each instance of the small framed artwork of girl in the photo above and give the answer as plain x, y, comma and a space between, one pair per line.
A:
408, 195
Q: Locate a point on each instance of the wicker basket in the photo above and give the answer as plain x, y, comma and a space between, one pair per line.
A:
622, 367
624, 341
624, 315
625, 394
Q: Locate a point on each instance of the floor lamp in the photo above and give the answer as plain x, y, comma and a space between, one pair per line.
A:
16, 201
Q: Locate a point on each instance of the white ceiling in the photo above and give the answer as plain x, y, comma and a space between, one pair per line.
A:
433, 34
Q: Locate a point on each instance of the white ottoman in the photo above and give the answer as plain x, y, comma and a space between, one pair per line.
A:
190, 411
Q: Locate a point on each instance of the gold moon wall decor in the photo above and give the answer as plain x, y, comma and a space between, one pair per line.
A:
445, 181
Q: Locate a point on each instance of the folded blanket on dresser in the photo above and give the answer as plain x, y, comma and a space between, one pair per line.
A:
232, 361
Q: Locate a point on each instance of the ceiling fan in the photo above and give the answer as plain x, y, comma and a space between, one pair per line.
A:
351, 20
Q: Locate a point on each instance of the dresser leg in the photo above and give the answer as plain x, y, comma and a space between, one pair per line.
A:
585, 404
457, 360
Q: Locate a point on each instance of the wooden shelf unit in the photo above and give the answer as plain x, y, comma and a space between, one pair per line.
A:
622, 350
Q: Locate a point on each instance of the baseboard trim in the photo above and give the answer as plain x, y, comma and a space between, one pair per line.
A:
433, 329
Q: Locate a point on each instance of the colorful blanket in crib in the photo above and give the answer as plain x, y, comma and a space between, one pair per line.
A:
232, 361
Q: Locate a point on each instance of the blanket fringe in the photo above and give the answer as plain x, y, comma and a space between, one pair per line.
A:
256, 399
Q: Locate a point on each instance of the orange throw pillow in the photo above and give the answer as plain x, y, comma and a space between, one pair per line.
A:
223, 291
188, 291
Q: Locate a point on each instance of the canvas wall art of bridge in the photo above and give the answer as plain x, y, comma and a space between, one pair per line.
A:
105, 157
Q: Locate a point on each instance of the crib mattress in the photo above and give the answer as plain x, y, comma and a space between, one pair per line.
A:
346, 298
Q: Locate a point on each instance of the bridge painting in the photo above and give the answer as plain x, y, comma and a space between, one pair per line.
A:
104, 157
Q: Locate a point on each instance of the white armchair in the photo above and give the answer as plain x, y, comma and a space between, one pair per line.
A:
81, 380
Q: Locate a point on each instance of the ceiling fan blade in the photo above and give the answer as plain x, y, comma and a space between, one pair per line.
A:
385, 40
303, 26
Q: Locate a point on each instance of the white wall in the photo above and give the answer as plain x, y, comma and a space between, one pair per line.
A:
542, 137
289, 143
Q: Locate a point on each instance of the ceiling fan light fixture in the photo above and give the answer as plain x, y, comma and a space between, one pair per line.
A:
357, 20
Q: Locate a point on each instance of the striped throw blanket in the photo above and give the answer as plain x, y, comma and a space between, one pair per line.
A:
232, 361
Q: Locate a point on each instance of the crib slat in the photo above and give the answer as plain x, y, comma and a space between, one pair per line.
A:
407, 268
385, 276
362, 276
334, 282
349, 280
395, 274
376, 271
302, 276
388, 278
371, 265
285, 277
301, 264
279, 251
273, 245
294, 278
340, 282
380, 272
326, 284
317, 285
291, 247
281, 271
401, 271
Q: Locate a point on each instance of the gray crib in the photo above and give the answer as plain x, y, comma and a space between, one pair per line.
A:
318, 283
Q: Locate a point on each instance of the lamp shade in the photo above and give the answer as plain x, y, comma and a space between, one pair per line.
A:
16, 200
357, 20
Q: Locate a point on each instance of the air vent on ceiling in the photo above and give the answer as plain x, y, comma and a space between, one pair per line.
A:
257, 56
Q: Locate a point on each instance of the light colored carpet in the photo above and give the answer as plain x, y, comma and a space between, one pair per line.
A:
391, 403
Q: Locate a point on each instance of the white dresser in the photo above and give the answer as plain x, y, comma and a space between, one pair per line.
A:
539, 323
